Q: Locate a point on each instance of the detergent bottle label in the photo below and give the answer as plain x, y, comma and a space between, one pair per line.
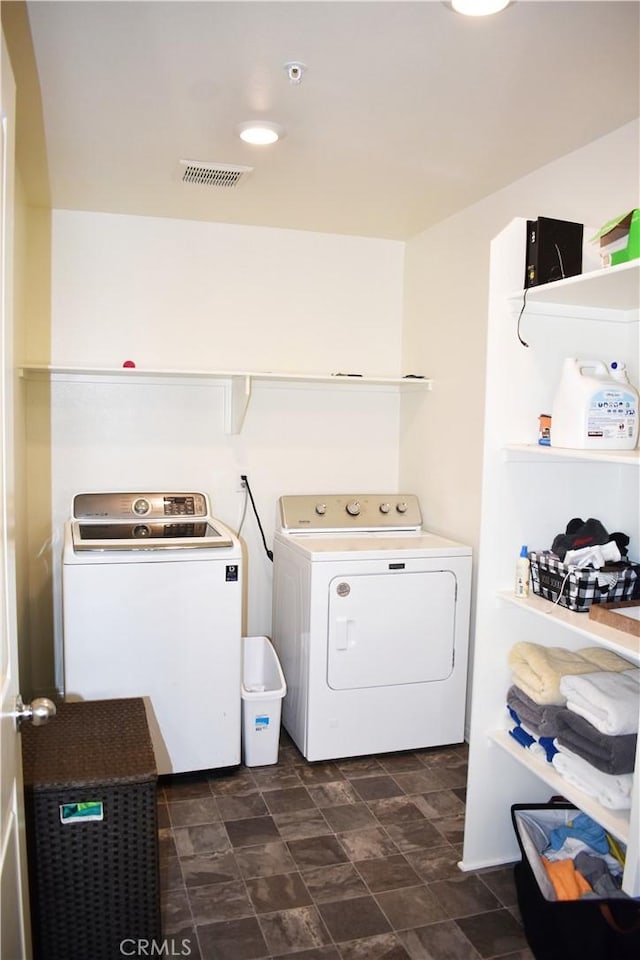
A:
612, 413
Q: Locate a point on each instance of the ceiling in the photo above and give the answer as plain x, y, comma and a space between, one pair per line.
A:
406, 111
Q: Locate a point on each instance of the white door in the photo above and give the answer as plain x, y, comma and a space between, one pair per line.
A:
391, 628
15, 941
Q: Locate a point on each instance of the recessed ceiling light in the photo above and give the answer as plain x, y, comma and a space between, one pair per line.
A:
260, 132
479, 8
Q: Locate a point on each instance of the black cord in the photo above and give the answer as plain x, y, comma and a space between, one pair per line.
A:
268, 552
526, 290
524, 303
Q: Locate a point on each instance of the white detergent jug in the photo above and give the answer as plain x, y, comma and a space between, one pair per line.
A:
594, 408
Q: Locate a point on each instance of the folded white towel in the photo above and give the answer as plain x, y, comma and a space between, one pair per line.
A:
609, 701
613, 792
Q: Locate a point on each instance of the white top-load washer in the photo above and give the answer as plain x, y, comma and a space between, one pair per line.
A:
152, 608
371, 625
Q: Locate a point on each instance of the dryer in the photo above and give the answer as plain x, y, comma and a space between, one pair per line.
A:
371, 625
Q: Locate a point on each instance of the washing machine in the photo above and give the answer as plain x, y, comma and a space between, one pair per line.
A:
152, 608
371, 625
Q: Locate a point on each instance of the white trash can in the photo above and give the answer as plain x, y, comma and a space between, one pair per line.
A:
263, 687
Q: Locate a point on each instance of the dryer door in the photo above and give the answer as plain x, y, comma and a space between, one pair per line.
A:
385, 630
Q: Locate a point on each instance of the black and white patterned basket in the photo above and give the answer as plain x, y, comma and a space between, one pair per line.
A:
578, 589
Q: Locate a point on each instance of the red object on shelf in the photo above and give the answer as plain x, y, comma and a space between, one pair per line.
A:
128, 363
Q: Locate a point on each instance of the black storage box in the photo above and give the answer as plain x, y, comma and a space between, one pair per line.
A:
586, 929
90, 787
553, 250
578, 589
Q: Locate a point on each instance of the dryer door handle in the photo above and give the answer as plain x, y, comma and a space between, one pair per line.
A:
343, 629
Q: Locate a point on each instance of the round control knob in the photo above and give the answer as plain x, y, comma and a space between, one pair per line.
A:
385, 507
353, 508
401, 507
141, 530
321, 509
141, 506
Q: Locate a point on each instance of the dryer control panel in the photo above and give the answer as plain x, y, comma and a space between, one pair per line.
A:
344, 512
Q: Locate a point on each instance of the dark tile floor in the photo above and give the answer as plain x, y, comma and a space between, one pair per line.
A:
345, 860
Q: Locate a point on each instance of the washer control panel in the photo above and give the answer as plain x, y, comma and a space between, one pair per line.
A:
339, 512
146, 506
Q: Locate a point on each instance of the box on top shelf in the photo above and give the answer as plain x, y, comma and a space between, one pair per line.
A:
553, 250
619, 239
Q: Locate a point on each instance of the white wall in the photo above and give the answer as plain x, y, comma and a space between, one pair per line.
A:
175, 294
188, 294
445, 318
446, 301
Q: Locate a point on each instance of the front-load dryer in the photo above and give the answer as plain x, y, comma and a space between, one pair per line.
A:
371, 625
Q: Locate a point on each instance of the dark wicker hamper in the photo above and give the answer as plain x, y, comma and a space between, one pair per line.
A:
94, 882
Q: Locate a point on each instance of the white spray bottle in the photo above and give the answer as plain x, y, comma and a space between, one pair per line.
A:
523, 568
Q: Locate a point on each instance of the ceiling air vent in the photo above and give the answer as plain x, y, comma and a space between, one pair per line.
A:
212, 174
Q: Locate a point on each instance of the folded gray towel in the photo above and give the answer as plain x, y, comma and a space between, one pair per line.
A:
614, 755
540, 718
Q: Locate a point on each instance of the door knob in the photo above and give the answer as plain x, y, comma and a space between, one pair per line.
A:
38, 711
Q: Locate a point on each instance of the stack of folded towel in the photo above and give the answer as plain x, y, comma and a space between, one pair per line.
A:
598, 736
580, 711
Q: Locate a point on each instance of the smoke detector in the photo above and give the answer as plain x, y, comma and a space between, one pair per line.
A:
212, 174
295, 70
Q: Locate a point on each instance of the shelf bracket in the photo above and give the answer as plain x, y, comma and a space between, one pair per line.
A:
237, 393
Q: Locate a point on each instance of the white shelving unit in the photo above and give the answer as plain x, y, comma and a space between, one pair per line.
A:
237, 384
529, 495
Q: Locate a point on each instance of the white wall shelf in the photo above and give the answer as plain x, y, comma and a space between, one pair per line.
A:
237, 384
612, 293
593, 631
531, 452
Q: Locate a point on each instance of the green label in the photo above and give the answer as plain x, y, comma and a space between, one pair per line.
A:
81, 812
